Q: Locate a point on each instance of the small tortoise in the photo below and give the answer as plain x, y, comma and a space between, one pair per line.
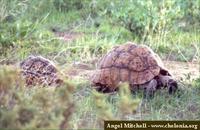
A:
38, 70
136, 64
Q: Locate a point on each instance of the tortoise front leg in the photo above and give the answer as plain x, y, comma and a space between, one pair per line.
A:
169, 82
150, 88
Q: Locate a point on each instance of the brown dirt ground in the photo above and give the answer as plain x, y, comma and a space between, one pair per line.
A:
183, 69
68, 36
180, 70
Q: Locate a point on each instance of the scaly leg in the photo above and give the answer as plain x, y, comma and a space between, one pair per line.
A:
169, 82
150, 88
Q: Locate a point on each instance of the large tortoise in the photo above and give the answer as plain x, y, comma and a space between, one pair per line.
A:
38, 70
136, 64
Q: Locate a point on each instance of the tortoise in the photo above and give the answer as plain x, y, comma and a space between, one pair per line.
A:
136, 64
38, 70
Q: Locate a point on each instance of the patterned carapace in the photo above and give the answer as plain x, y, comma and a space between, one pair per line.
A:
38, 70
136, 64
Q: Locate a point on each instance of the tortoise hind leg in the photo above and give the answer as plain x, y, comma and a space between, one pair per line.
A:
169, 82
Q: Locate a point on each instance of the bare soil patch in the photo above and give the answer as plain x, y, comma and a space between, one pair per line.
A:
180, 70
68, 36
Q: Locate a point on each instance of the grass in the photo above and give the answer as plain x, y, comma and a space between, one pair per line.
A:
47, 105
30, 33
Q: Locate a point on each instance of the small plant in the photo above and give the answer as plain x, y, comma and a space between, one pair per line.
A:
9, 78
127, 105
104, 109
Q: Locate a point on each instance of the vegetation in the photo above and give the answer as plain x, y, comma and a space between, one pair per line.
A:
32, 27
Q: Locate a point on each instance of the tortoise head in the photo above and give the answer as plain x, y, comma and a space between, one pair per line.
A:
173, 86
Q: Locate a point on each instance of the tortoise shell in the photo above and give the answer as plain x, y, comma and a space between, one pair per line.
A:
38, 70
136, 64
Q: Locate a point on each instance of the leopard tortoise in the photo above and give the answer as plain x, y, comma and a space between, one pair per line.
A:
136, 64
38, 70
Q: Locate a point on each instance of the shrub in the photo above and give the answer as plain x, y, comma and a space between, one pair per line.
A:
147, 17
